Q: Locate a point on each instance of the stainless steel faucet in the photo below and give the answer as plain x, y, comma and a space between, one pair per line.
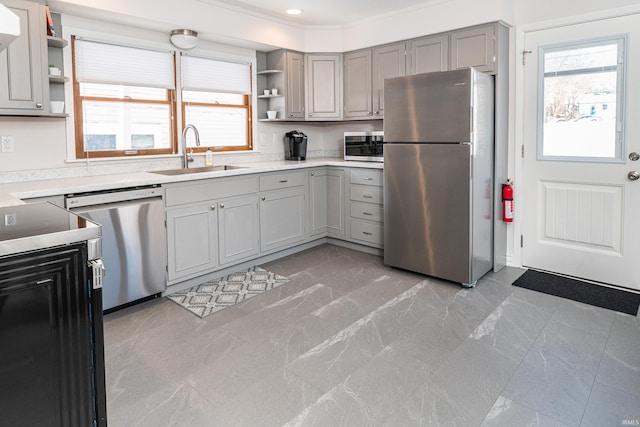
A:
188, 158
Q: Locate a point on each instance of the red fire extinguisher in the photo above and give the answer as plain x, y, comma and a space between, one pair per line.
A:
507, 201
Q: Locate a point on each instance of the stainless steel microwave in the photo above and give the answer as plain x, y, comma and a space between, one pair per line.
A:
364, 146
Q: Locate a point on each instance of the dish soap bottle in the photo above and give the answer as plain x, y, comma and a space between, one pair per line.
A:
208, 157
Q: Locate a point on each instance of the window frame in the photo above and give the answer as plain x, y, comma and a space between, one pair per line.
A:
78, 99
249, 127
622, 41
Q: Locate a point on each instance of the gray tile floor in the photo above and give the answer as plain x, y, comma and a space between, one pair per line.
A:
350, 342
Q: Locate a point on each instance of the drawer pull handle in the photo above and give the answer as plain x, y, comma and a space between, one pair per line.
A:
366, 196
366, 178
367, 213
283, 181
367, 233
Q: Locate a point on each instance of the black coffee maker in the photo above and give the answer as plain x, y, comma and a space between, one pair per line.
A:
295, 145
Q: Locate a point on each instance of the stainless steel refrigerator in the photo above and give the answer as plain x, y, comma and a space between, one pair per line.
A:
438, 174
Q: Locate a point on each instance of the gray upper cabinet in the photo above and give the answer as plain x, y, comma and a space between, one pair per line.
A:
284, 72
428, 54
357, 84
22, 65
324, 86
364, 74
295, 85
388, 62
474, 47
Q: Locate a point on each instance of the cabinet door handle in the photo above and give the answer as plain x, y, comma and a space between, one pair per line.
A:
38, 104
367, 213
213, 208
367, 233
263, 198
284, 181
313, 174
221, 205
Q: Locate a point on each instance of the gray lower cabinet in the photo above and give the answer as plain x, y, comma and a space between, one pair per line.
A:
283, 216
366, 221
210, 223
204, 236
216, 223
192, 240
327, 203
21, 63
238, 229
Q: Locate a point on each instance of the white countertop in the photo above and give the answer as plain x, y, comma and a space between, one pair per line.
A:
13, 193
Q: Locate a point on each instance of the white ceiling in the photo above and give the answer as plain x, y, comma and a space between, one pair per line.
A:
321, 12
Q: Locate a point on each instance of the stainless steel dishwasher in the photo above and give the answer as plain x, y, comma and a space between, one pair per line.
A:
133, 241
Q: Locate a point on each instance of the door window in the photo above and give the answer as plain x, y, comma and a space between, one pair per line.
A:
581, 88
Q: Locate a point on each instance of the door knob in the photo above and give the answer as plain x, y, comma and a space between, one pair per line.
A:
633, 175
634, 156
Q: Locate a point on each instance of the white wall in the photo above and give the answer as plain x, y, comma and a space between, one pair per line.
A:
535, 11
432, 18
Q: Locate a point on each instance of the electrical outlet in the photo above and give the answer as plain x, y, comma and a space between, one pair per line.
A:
7, 144
10, 219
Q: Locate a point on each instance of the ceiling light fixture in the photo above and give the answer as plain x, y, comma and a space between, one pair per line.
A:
184, 39
294, 11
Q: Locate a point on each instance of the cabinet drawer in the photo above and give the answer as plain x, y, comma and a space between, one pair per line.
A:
366, 177
367, 211
281, 180
366, 194
209, 189
370, 232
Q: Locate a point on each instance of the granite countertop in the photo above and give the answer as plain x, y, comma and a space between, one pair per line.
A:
13, 193
34, 226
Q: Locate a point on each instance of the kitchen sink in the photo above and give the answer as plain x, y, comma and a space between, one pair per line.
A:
216, 168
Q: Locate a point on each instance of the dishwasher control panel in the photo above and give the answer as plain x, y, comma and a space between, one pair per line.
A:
111, 196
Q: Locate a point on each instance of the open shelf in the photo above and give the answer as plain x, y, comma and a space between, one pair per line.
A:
56, 42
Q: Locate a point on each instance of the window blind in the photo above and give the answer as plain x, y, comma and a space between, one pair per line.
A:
215, 76
98, 62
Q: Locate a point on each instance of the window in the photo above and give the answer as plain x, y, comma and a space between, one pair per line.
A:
123, 100
216, 99
582, 87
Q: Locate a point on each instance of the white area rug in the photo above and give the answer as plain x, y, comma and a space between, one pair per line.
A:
218, 294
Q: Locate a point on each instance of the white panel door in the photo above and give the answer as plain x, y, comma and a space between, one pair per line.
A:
581, 131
